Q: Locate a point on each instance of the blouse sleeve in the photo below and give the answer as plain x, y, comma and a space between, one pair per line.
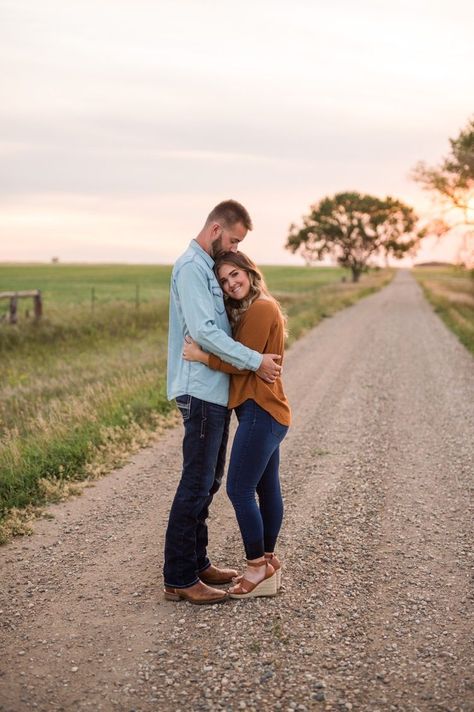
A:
217, 364
254, 333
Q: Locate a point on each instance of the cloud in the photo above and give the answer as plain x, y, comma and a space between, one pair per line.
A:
168, 106
108, 155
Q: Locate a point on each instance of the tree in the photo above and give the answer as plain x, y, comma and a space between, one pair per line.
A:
354, 228
452, 181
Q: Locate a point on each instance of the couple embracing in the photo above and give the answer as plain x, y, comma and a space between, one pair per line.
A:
225, 349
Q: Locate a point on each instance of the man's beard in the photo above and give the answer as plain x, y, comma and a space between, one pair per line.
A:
216, 247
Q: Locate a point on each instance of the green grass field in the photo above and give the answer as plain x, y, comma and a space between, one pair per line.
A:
86, 386
72, 284
451, 292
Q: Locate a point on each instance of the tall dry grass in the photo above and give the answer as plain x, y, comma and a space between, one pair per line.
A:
451, 292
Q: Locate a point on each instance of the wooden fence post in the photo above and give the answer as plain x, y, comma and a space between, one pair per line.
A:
38, 302
13, 298
13, 309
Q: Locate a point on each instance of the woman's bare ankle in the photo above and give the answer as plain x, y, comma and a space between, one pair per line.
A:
259, 561
255, 569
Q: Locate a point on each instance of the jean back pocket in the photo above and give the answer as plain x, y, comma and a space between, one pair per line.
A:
184, 405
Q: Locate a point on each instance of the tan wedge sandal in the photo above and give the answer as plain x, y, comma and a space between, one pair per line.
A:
248, 589
275, 562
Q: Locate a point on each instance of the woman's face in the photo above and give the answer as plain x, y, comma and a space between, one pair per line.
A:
234, 281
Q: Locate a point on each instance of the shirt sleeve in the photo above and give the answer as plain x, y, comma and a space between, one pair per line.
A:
198, 307
254, 333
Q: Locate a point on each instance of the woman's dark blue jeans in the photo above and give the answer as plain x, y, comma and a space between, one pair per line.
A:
206, 431
254, 468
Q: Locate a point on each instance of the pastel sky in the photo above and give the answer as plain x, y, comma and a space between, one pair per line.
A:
122, 122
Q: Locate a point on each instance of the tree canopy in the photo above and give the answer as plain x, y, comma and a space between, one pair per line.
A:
354, 228
453, 179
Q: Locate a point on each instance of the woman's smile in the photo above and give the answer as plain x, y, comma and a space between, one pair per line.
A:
236, 289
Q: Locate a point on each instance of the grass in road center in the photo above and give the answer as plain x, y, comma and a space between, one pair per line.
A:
451, 292
86, 386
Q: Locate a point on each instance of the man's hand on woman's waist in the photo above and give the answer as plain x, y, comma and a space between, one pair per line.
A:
269, 368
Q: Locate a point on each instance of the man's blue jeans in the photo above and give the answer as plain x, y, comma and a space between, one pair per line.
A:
206, 431
254, 469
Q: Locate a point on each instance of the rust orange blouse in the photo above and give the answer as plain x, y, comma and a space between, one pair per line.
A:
261, 328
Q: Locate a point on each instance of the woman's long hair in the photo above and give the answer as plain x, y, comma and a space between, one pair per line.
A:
237, 307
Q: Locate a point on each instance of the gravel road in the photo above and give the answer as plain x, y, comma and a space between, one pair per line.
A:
377, 537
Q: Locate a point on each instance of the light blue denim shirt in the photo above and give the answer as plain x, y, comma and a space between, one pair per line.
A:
197, 308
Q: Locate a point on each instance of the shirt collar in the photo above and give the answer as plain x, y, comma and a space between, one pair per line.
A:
198, 249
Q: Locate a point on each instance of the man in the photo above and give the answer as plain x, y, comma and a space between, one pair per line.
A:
197, 309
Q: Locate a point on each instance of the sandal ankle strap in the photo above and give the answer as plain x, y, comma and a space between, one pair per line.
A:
256, 563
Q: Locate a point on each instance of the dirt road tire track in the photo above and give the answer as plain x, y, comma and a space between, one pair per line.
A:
377, 544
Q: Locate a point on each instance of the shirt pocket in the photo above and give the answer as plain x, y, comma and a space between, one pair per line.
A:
218, 298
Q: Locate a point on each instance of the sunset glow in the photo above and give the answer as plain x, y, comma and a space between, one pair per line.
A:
123, 123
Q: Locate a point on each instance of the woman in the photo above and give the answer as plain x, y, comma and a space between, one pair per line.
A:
264, 416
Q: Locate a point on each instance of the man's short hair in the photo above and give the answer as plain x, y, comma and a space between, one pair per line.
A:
228, 213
